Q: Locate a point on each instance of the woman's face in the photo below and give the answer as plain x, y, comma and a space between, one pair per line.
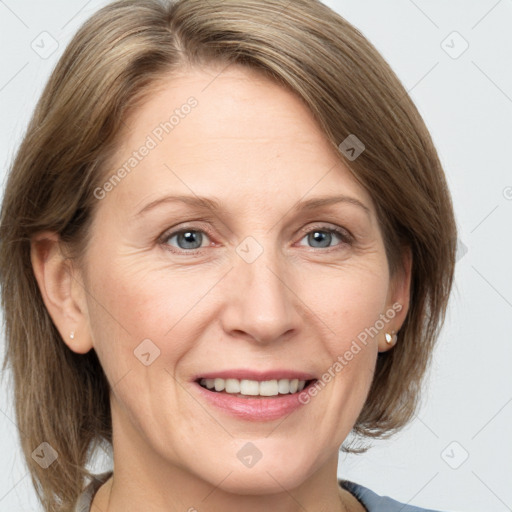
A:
176, 290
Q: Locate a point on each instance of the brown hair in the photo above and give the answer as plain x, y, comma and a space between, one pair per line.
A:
62, 397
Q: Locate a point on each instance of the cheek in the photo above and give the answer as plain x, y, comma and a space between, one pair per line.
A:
131, 304
348, 304
347, 300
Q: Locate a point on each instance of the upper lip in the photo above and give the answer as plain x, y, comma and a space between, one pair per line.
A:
242, 373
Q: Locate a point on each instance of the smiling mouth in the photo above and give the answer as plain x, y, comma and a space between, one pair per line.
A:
246, 388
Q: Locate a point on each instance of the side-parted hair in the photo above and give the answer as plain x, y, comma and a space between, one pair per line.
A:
104, 75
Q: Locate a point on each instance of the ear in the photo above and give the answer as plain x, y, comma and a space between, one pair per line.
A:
62, 290
397, 305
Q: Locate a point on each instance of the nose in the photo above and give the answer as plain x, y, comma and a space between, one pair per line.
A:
261, 304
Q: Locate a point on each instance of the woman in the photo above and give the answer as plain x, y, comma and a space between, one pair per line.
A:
226, 243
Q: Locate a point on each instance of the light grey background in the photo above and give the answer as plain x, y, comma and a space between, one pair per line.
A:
466, 101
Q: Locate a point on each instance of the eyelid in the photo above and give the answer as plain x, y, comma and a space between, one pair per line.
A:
344, 233
168, 233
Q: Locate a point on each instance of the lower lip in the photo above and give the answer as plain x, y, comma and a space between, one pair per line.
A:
253, 409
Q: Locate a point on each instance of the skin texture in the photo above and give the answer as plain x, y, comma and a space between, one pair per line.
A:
299, 305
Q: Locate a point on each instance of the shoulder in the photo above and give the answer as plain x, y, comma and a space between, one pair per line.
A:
373, 502
83, 503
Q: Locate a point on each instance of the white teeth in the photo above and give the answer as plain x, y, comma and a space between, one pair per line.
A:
219, 384
269, 388
232, 386
294, 385
249, 387
255, 388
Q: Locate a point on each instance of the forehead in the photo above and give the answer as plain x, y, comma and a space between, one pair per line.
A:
227, 131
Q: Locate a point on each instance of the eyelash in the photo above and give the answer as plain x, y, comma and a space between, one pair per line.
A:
346, 239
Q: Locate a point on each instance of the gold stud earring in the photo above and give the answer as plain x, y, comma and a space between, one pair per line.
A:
390, 338
72, 335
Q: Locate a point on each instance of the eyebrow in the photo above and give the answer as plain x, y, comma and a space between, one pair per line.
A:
212, 204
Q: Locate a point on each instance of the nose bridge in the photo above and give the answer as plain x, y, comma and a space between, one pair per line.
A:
262, 303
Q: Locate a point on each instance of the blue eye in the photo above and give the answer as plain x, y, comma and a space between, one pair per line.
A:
324, 237
188, 239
